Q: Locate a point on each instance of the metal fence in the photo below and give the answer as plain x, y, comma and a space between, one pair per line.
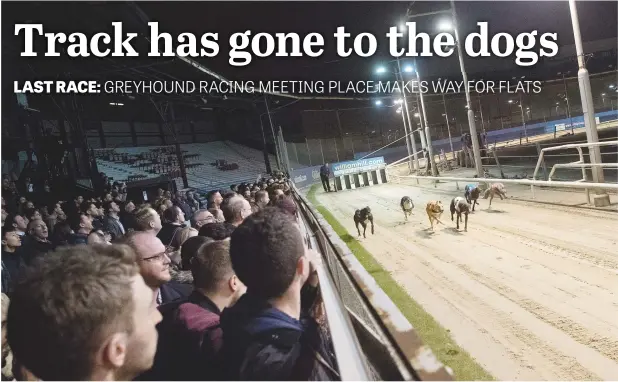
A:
313, 152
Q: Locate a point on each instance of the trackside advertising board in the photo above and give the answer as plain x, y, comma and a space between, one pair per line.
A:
306, 176
356, 166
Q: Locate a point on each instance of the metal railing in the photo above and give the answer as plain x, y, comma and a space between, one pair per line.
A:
525, 182
581, 163
352, 367
388, 346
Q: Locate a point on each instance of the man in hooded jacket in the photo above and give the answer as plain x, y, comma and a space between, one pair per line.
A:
270, 333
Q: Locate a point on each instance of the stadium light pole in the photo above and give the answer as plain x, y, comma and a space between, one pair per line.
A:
426, 132
410, 134
472, 124
523, 118
448, 127
445, 25
405, 129
566, 98
420, 122
602, 199
272, 129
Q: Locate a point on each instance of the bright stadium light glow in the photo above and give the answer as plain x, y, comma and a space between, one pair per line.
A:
398, 101
378, 103
445, 25
381, 70
408, 69
510, 101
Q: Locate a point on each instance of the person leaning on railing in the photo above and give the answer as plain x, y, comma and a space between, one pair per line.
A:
271, 333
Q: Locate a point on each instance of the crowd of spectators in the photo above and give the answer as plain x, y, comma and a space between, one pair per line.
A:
105, 288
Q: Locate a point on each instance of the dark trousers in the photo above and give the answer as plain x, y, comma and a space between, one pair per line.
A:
325, 182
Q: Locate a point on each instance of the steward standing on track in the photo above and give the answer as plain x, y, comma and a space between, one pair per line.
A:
324, 175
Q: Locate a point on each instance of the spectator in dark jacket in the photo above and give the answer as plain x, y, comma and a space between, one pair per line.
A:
36, 244
189, 334
91, 209
180, 201
82, 228
62, 234
111, 222
324, 175
192, 201
174, 221
12, 261
269, 334
127, 217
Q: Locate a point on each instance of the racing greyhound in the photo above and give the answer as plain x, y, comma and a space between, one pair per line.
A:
495, 189
472, 194
361, 217
434, 210
460, 206
407, 206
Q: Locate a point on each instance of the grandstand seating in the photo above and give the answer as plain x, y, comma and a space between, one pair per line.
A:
135, 163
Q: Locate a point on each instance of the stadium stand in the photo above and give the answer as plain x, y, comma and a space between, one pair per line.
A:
209, 165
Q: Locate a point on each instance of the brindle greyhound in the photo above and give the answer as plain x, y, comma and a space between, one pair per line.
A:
495, 189
361, 217
460, 206
407, 206
472, 194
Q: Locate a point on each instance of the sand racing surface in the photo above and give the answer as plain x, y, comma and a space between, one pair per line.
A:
531, 291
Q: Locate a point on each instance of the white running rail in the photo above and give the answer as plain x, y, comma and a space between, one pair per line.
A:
581, 163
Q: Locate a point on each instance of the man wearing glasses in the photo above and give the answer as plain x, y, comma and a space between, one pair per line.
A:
154, 265
201, 218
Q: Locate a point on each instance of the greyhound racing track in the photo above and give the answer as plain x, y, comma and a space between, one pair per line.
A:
530, 291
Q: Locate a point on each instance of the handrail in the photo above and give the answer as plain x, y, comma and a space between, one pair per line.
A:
579, 165
527, 182
581, 161
410, 358
345, 343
